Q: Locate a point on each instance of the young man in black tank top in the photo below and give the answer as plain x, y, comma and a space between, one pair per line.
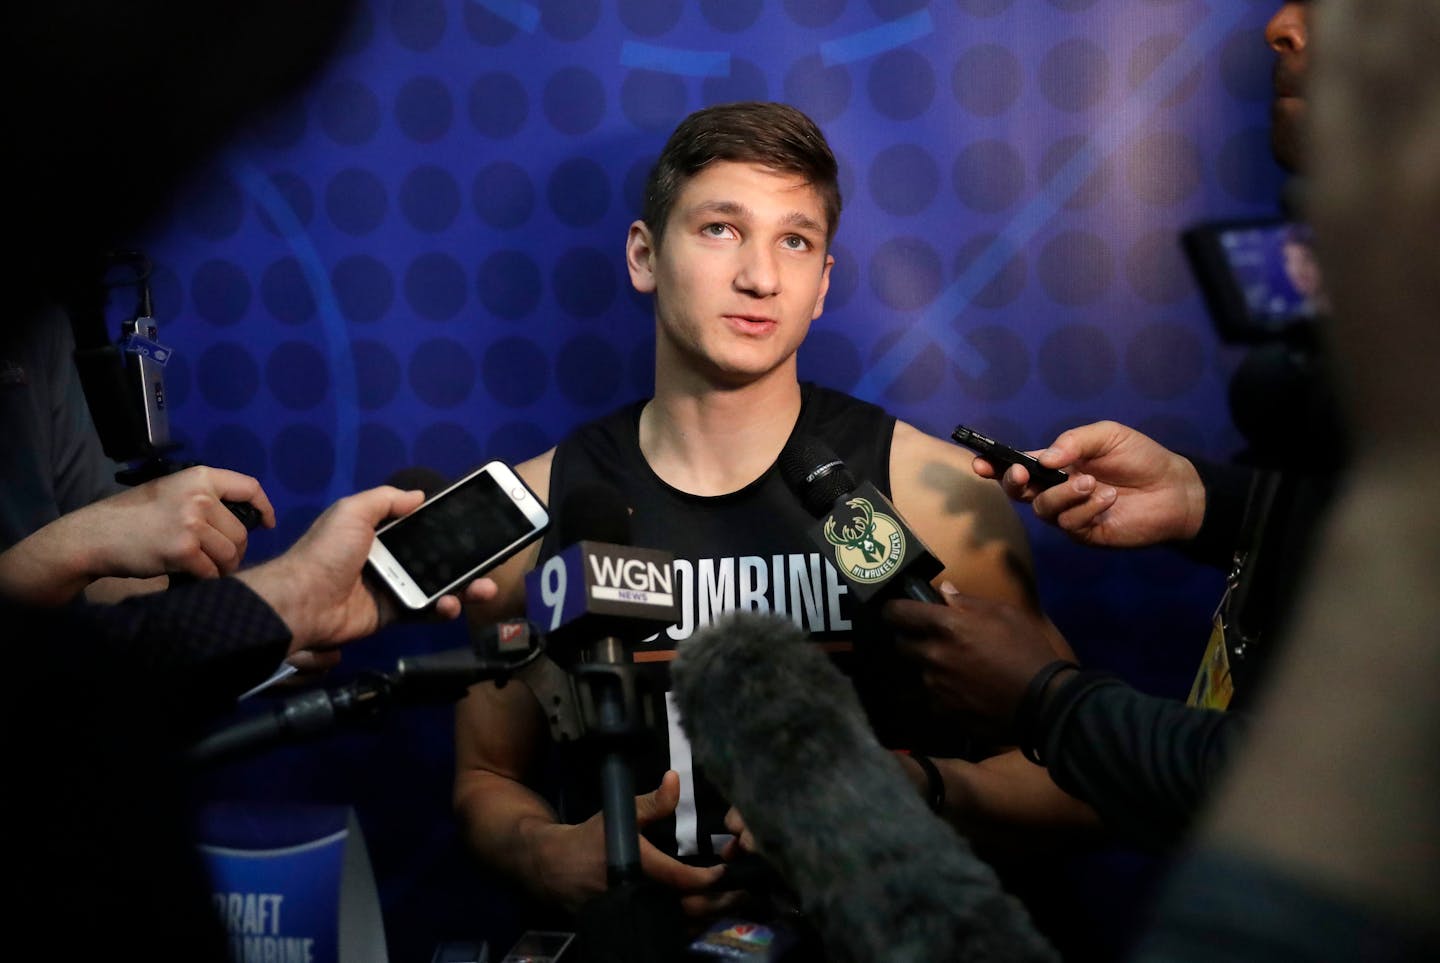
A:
733, 244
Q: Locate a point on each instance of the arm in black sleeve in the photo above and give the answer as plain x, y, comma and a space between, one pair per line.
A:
1145, 764
1224, 907
101, 701
216, 632
193, 649
1227, 488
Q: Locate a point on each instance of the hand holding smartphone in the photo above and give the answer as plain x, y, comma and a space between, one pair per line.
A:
457, 535
1003, 456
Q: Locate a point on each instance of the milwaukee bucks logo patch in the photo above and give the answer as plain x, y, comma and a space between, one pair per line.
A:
869, 545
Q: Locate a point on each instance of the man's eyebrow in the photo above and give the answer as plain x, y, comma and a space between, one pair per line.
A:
735, 209
796, 219
804, 222
727, 208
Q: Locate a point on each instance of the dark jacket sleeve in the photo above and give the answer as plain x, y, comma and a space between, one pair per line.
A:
1223, 908
1227, 488
185, 653
1145, 764
101, 703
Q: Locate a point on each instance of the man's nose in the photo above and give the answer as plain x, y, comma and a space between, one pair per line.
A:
759, 273
1287, 30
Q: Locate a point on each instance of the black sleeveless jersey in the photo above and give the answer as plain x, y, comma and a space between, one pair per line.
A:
751, 550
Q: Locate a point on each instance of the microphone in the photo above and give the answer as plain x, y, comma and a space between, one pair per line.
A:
875, 552
601, 586
592, 511
592, 600
435, 678
781, 732
439, 677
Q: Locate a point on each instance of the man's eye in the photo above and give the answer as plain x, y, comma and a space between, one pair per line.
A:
796, 243
715, 230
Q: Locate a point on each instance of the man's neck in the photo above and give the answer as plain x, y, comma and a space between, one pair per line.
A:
714, 441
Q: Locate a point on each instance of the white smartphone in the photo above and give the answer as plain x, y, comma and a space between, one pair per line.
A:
457, 535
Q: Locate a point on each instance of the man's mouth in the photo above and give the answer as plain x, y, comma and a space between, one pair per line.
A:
1286, 82
751, 320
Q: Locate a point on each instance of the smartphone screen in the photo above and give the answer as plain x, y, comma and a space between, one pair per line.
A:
459, 534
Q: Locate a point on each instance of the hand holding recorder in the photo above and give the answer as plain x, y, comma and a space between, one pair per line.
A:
1001, 457
1123, 489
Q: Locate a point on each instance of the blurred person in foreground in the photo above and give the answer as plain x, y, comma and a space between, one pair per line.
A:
1147, 763
104, 697
1322, 841
1328, 820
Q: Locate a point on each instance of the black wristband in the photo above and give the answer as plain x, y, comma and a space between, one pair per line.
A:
934, 782
1030, 705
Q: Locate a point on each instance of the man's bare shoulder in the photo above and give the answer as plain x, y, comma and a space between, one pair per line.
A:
925, 469
536, 473
966, 520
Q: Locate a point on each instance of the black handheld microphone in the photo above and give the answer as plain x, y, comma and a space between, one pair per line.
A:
436, 678
439, 677
781, 732
874, 550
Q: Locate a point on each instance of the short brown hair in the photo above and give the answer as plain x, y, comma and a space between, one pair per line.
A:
775, 136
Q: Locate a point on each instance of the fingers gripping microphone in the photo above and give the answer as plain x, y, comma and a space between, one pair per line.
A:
787, 742
875, 551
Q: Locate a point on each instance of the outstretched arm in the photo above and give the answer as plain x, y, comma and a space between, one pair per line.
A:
172, 524
1125, 489
968, 523
1145, 764
207, 641
318, 587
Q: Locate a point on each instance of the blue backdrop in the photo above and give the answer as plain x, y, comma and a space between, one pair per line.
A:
419, 262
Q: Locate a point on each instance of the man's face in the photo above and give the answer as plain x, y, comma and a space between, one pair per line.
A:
1288, 35
1301, 268
739, 276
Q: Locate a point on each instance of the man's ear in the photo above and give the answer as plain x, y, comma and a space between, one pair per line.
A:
640, 257
824, 287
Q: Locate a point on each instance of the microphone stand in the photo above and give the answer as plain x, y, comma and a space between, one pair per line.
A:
635, 920
300, 718
436, 679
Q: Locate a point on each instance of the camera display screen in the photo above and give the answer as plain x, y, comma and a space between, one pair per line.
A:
1259, 277
1275, 269
448, 537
